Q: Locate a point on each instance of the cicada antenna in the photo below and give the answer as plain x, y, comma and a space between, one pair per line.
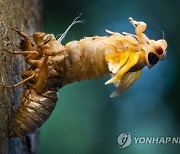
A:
163, 34
75, 21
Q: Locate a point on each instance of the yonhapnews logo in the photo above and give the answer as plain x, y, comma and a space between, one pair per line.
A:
125, 139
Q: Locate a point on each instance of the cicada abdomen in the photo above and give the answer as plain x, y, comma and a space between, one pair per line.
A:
32, 112
53, 65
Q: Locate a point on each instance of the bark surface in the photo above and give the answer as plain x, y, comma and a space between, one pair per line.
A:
24, 15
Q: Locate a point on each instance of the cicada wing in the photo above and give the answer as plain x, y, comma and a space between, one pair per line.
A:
127, 80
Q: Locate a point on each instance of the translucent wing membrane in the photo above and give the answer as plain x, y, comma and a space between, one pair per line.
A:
127, 80
119, 64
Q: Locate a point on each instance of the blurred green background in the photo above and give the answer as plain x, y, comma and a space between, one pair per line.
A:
86, 120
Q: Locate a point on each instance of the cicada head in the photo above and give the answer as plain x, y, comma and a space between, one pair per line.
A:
41, 38
154, 52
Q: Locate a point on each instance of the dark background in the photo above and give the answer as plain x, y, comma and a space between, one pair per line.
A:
86, 120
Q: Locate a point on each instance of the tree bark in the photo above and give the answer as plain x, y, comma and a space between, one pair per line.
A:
24, 15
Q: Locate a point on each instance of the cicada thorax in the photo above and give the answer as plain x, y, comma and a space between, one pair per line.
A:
86, 58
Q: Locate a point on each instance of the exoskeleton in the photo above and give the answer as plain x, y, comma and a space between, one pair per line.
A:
53, 65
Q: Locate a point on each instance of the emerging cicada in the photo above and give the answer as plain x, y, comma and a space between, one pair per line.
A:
53, 65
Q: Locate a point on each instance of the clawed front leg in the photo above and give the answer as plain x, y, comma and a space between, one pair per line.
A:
140, 27
22, 52
22, 34
26, 43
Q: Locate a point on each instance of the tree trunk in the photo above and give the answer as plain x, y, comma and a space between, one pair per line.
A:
24, 15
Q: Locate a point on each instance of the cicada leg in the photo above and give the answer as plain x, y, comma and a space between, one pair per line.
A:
22, 34
26, 43
140, 27
28, 56
27, 73
109, 32
21, 82
21, 52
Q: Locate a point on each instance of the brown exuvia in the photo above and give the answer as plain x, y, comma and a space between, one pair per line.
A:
53, 65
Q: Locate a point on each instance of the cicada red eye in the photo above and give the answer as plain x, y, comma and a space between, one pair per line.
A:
159, 50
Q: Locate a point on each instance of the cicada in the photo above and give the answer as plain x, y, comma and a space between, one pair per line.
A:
53, 65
